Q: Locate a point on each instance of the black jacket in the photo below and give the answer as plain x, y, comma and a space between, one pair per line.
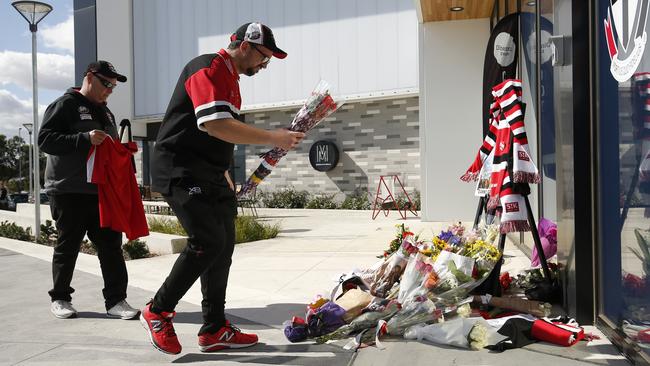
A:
64, 136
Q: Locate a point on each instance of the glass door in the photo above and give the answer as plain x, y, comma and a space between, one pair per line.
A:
623, 151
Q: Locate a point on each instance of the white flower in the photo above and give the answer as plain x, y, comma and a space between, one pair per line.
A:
464, 311
478, 337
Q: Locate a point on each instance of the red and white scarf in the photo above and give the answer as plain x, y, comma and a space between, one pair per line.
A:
512, 164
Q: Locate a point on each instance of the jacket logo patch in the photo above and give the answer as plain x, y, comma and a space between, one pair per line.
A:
84, 116
512, 207
522, 155
194, 191
83, 109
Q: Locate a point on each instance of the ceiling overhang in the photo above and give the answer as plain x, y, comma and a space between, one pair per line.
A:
440, 10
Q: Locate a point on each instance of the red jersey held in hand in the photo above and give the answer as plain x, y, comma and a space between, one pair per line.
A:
109, 166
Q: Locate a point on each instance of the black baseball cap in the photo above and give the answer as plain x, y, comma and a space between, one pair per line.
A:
105, 68
260, 34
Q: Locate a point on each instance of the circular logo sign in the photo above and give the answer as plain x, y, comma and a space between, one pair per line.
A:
545, 43
504, 49
323, 156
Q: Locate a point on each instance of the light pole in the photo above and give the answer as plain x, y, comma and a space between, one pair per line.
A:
34, 12
29, 128
20, 162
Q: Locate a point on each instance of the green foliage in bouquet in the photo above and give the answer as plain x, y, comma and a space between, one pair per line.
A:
533, 277
402, 231
644, 253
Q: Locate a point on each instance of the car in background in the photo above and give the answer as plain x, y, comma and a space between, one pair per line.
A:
13, 199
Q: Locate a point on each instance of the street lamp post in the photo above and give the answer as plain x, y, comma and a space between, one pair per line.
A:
20, 162
30, 194
34, 12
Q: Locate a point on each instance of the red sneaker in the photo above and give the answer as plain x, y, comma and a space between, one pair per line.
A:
228, 336
161, 330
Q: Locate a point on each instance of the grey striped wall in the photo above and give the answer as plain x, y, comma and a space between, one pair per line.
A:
374, 138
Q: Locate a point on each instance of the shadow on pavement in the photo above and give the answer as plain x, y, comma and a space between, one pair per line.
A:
264, 354
273, 314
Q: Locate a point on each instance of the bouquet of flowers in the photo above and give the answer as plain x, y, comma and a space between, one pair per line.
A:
417, 270
392, 268
460, 332
316, 108
363, 321
460, 263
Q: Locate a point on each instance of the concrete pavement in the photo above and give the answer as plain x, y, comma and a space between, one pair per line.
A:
270, 281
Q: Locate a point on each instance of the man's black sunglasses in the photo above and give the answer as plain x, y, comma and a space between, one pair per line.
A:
266, 58
104, 82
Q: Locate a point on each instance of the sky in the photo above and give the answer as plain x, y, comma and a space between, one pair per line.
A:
55, 46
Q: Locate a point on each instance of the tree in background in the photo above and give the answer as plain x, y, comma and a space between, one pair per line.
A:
14, 162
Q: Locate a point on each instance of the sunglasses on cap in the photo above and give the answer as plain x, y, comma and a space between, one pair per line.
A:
107, 84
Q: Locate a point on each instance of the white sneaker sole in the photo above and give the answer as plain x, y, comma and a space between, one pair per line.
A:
226, 345
146, 327
123, 317
68, 316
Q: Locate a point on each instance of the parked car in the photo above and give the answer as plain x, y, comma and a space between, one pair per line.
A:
15, 198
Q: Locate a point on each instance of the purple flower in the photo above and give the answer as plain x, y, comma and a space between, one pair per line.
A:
454, 240
445, 235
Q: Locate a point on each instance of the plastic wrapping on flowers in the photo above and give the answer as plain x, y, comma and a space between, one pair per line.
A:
427, 279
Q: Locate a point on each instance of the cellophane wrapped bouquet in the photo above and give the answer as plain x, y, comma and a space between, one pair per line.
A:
319, 105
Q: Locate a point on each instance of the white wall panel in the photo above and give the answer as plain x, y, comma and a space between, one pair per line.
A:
359, 46
451, 75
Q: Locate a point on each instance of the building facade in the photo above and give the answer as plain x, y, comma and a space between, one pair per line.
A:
366, 50
412, 76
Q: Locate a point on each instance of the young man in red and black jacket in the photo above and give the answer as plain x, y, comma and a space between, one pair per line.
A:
189, 167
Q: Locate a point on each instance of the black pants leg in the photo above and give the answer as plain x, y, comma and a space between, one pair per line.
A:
76, 215
214, 281
111, 261
68, 214
208, 219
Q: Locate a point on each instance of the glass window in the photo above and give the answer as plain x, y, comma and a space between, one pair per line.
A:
624, 168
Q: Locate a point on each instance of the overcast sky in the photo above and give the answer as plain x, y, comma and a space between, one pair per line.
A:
55, 45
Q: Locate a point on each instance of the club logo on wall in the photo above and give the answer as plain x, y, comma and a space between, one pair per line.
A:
323, 156
626, 36
504, 49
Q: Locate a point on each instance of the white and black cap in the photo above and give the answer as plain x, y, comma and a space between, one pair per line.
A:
260, 34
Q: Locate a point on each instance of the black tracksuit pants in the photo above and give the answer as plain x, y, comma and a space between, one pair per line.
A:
207, 213
76, 215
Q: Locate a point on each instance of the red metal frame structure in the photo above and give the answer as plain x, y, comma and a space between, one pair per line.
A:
381, 203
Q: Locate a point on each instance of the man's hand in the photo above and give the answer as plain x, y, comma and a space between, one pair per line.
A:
230, 184
286, 139
97, 136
